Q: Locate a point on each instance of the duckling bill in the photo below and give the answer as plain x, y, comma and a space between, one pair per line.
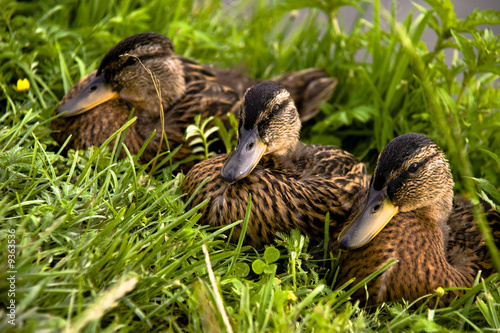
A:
245, 157
96, 93
378, 211
410, 215
292, 185
251, 146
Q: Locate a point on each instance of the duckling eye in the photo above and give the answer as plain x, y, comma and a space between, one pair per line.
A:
130, 61
413, 167
276, 107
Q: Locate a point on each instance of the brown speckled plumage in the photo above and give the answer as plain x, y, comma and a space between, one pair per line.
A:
93, 127
292, 186
433, 236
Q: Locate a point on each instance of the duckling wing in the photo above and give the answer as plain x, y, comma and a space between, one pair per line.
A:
309, 88
201, 97
331, 173
466, 248
194, 71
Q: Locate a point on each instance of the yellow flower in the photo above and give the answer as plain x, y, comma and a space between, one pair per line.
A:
291, 296
22, 85
439, 291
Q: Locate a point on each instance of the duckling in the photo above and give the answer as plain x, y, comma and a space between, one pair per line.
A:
121, 84
410, 215
292, 185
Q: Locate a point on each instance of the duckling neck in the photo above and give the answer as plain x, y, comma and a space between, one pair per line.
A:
439, 213
292, 152
287, 161
172, 83
166, 87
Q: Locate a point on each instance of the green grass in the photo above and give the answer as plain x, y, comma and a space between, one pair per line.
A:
102, 246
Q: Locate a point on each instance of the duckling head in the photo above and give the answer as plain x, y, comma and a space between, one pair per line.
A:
412, 174
269, 124
122, 74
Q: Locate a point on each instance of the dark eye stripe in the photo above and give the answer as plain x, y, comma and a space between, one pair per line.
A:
423, 162
283, 104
